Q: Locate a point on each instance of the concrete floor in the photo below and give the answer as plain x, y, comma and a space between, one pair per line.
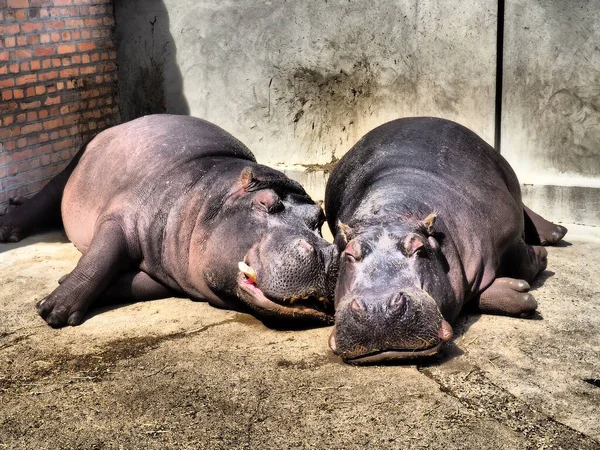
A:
181, 374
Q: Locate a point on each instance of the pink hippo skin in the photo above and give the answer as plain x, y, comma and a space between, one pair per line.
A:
173, 205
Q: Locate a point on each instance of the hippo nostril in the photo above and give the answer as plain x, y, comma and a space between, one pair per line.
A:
357, 306
398, 303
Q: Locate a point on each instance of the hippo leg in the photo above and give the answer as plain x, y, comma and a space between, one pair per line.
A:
135, 286
507, 297
106, 257
539, 231
43, 209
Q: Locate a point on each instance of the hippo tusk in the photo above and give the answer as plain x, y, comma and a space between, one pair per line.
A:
247, 270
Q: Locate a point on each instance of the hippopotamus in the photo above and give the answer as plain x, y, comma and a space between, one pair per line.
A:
170, 205
428, 218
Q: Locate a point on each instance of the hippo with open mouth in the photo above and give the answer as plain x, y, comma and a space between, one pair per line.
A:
427, 217
170, 205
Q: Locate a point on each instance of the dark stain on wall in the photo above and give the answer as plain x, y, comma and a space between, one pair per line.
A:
150, 79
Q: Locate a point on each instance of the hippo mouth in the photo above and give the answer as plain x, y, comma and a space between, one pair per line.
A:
396, 355
311, 308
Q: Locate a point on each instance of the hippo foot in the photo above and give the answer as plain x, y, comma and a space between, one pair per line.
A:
59, 311
10, 233
10, 230
508, 297
552, 234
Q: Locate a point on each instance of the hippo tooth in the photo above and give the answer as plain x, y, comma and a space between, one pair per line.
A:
247, 270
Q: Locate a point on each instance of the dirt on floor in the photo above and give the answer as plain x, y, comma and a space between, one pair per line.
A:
181, 374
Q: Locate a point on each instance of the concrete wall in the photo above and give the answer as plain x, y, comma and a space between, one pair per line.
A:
551, 105
301, 82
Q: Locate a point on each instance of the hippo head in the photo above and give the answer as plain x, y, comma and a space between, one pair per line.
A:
267, 250
391, 278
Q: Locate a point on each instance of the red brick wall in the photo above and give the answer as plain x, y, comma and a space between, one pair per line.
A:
58, 89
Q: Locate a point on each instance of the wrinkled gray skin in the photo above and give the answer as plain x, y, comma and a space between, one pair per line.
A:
427, 217
169, 205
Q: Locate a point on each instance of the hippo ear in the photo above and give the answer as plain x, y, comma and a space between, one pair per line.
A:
247, 178
345, 231
429, 223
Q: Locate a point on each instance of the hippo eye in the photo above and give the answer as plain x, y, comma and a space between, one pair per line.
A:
352, 253
413, 244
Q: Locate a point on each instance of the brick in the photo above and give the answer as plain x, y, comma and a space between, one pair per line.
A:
33, 39
10, 42
93, 22
9, 82
30, 27
45, 38
48, 75
22, 142
52, 101
72, 72
20, 14
24, 79
30, 91
46, 63
39, 90
10, 29
36, 65
4, 56
44, 51
62, 49
18, 93
31, 116
7, 95
86, 46
31, 105
65, 35
25, 66
31, 128
18, 3
55, 37
22, 53
56, 25
74, 23
53, 123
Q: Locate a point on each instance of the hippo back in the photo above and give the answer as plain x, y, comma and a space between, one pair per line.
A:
149, 162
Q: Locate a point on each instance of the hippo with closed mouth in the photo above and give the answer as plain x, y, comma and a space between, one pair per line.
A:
170, 205
427, 217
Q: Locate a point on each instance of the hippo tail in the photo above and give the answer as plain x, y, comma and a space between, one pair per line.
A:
40, 211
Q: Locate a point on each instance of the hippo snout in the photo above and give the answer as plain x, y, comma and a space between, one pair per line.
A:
401, 325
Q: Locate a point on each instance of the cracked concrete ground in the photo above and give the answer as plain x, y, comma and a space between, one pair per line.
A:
180, 374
